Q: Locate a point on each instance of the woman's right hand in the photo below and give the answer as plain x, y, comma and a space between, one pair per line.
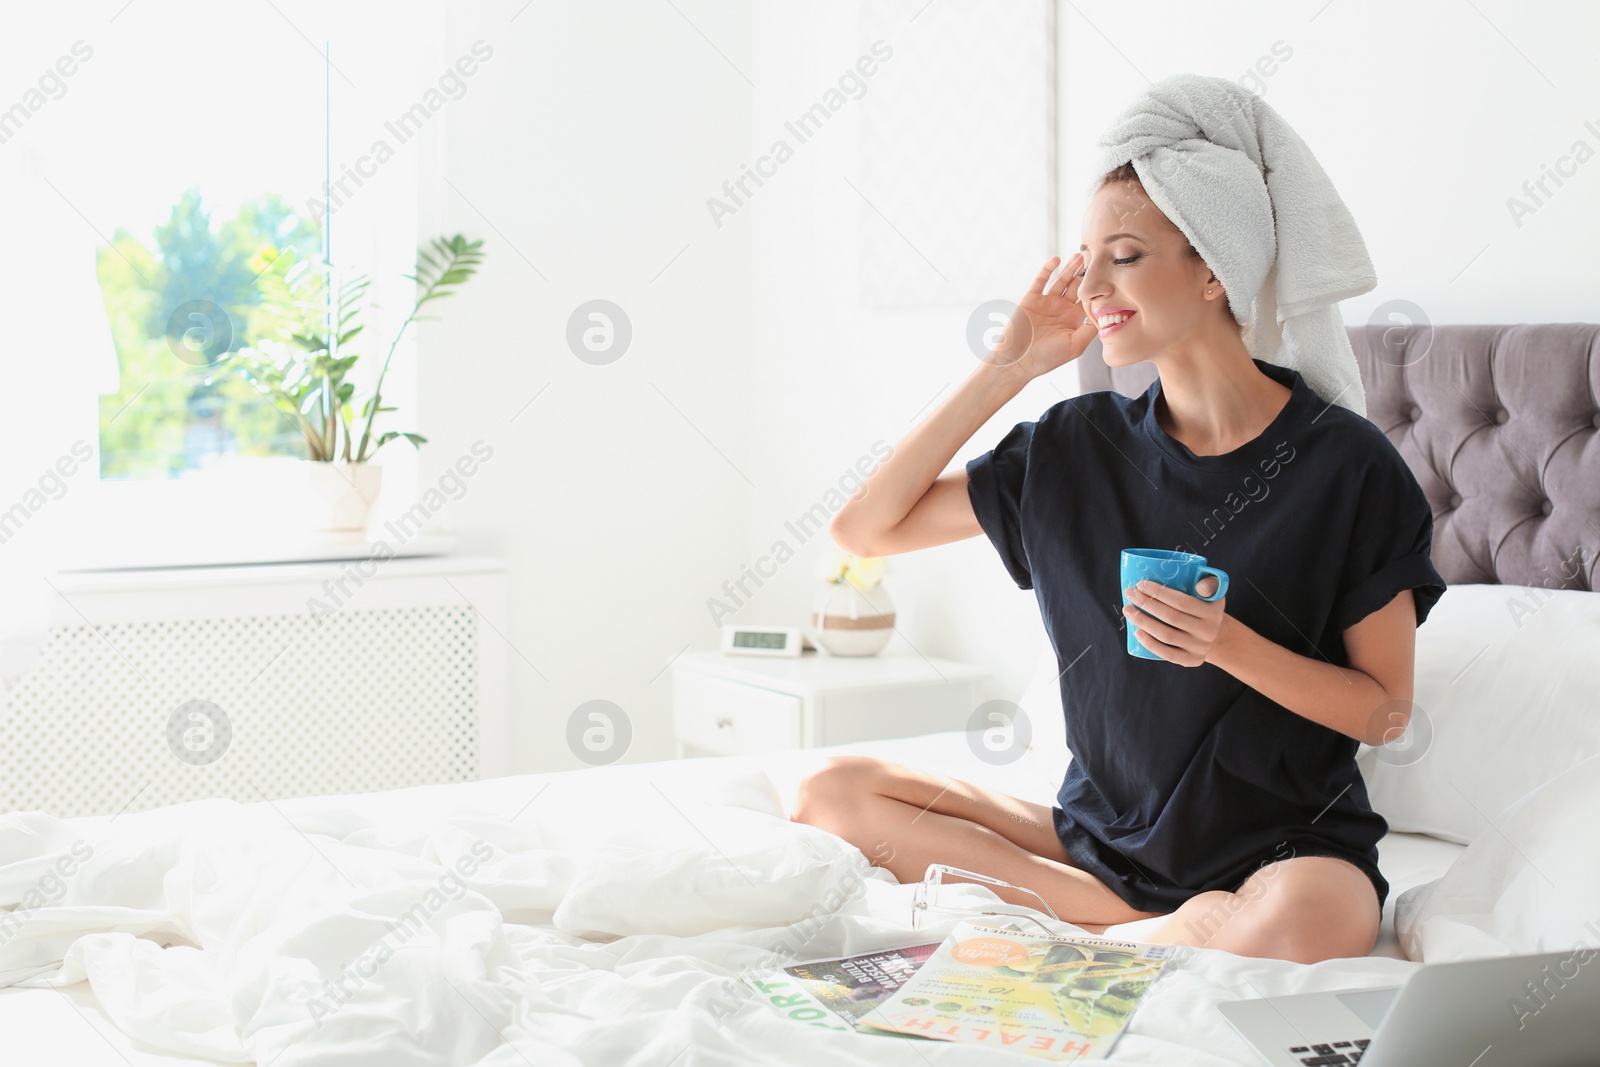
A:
1049, 328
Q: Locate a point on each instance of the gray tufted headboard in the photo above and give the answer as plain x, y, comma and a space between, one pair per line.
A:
1500, 425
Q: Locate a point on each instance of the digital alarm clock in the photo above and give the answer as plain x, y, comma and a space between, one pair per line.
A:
764, 640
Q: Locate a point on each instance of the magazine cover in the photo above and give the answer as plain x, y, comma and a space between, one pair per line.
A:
836, 993
1059, 998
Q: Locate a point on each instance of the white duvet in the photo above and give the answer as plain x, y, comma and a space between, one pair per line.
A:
596, 917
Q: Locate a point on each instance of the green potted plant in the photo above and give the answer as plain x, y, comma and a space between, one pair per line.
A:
302, 363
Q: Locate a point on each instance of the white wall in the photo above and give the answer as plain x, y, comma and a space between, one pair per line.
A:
594, 143
829, 377
589, 143
1427, 115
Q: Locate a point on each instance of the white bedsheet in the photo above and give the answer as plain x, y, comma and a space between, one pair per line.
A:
605, 915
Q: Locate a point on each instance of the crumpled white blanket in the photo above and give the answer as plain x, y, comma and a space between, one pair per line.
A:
601, 924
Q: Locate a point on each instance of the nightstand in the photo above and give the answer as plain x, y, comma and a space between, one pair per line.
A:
724, 705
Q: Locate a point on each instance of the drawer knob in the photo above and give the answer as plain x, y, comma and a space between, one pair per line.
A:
724, 723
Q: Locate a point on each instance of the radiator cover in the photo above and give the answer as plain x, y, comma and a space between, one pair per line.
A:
255, 683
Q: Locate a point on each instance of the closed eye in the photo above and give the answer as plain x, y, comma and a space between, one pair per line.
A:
1118, 262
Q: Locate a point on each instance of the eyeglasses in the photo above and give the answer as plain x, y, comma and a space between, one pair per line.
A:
930, 903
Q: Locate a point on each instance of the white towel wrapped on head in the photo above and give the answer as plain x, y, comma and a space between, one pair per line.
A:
1242, 186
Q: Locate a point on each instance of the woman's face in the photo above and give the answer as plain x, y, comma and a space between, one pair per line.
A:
1136, 259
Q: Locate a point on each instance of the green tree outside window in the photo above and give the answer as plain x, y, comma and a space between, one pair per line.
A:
175, 308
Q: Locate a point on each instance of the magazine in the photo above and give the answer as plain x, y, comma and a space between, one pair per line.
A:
835, 994
1059, 998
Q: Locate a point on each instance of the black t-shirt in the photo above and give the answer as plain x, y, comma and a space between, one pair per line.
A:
1184, 779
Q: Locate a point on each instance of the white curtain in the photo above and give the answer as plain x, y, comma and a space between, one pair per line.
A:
59, 354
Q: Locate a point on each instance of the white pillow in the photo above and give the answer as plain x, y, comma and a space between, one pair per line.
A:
1527, 884
1507, 697
752, 869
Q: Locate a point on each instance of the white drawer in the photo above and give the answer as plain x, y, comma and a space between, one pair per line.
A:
725, 718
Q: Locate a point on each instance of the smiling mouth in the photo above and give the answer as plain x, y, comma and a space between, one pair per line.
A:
1114, 327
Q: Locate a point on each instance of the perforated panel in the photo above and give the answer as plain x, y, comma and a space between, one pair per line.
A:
362, 700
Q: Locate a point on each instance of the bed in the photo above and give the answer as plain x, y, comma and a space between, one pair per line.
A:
599, 916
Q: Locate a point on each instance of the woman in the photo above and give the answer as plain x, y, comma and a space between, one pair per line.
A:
1219, 787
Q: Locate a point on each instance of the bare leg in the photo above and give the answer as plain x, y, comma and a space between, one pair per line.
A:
903, 820
1304, 908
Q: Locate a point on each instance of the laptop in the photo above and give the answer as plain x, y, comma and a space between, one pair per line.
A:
1507, 1011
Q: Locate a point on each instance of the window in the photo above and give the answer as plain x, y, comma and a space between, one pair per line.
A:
178, 301
144, 187
221, 154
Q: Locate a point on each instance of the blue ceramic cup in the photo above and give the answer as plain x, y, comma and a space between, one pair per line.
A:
1176, 570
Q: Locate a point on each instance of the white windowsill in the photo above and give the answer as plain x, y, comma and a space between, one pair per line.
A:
237, 513
304, 548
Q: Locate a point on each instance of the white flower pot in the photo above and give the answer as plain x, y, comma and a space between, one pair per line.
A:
343, 494
848, 622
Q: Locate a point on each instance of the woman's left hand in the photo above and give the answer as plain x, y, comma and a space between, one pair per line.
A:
1179, 628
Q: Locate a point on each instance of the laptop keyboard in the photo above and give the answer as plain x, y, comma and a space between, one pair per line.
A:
1328, 1055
